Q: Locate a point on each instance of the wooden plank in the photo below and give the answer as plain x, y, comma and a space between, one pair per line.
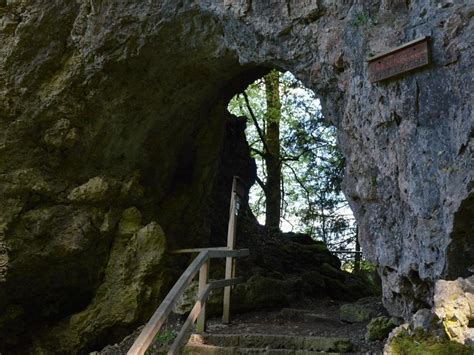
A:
180, 338
203, 279
214, 253
227, 292
225, 283
197, 308
196, 250
156, 321
229, 253
400, 60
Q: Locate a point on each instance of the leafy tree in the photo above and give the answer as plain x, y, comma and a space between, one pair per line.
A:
297, 160
270, 139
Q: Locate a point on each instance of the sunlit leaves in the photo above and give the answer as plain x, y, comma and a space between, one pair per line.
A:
312, 165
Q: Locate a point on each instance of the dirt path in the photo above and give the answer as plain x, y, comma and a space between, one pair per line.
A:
317, 319
320, 319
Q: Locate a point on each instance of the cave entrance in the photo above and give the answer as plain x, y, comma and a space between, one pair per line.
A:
460, 259
299, 168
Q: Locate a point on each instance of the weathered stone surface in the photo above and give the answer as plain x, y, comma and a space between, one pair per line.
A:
355, 313
61, 135
379, 328
261, 343
453, 304
362, 310
122, 296
143, 86
422, 319
94, 190
388, 349
404, 340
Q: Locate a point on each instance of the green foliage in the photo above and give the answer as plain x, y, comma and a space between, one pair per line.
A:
165, 337
420, 343
365, 266
312, 165
161, 342
373, 181
363, 19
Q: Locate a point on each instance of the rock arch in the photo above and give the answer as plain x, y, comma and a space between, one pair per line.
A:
102, 101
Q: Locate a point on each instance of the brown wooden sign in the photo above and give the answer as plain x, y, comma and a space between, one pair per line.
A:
412, 55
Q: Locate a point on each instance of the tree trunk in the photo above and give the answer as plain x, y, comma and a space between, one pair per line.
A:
272, 159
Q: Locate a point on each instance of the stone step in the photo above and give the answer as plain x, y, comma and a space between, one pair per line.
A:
202, 349
274, 342
305, 315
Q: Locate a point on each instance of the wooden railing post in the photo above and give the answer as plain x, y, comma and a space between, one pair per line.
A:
200, 264
235, 203
203, 281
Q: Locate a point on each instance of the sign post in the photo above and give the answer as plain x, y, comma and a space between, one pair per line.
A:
237, 196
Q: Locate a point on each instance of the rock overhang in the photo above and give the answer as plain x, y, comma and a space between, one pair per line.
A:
130, 86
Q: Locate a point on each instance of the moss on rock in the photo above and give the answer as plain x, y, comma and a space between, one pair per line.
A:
419, 343
355, 313
379, 328
132, 285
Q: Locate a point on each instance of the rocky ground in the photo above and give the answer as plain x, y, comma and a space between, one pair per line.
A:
321, 318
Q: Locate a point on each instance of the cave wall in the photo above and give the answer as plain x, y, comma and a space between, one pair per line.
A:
110, 129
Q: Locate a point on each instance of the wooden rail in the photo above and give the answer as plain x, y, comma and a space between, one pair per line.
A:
158, 318
197, 310
201, 264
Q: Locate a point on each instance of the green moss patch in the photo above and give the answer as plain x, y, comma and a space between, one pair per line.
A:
420, 343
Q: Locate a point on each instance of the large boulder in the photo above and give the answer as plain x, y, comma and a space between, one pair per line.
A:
454, 306
122, 296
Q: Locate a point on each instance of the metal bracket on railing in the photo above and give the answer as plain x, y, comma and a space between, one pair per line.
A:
237, 206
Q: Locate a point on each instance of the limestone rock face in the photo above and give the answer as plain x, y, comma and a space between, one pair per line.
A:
454, 306
122, 296
108, 105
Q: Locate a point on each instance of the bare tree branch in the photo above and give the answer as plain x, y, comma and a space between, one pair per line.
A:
261, 184
255, 122
292, 158
259, 152
291, 224
307, 192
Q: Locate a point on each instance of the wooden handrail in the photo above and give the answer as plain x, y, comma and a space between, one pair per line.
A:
214, 253
158, 318
201, 264
201, 300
